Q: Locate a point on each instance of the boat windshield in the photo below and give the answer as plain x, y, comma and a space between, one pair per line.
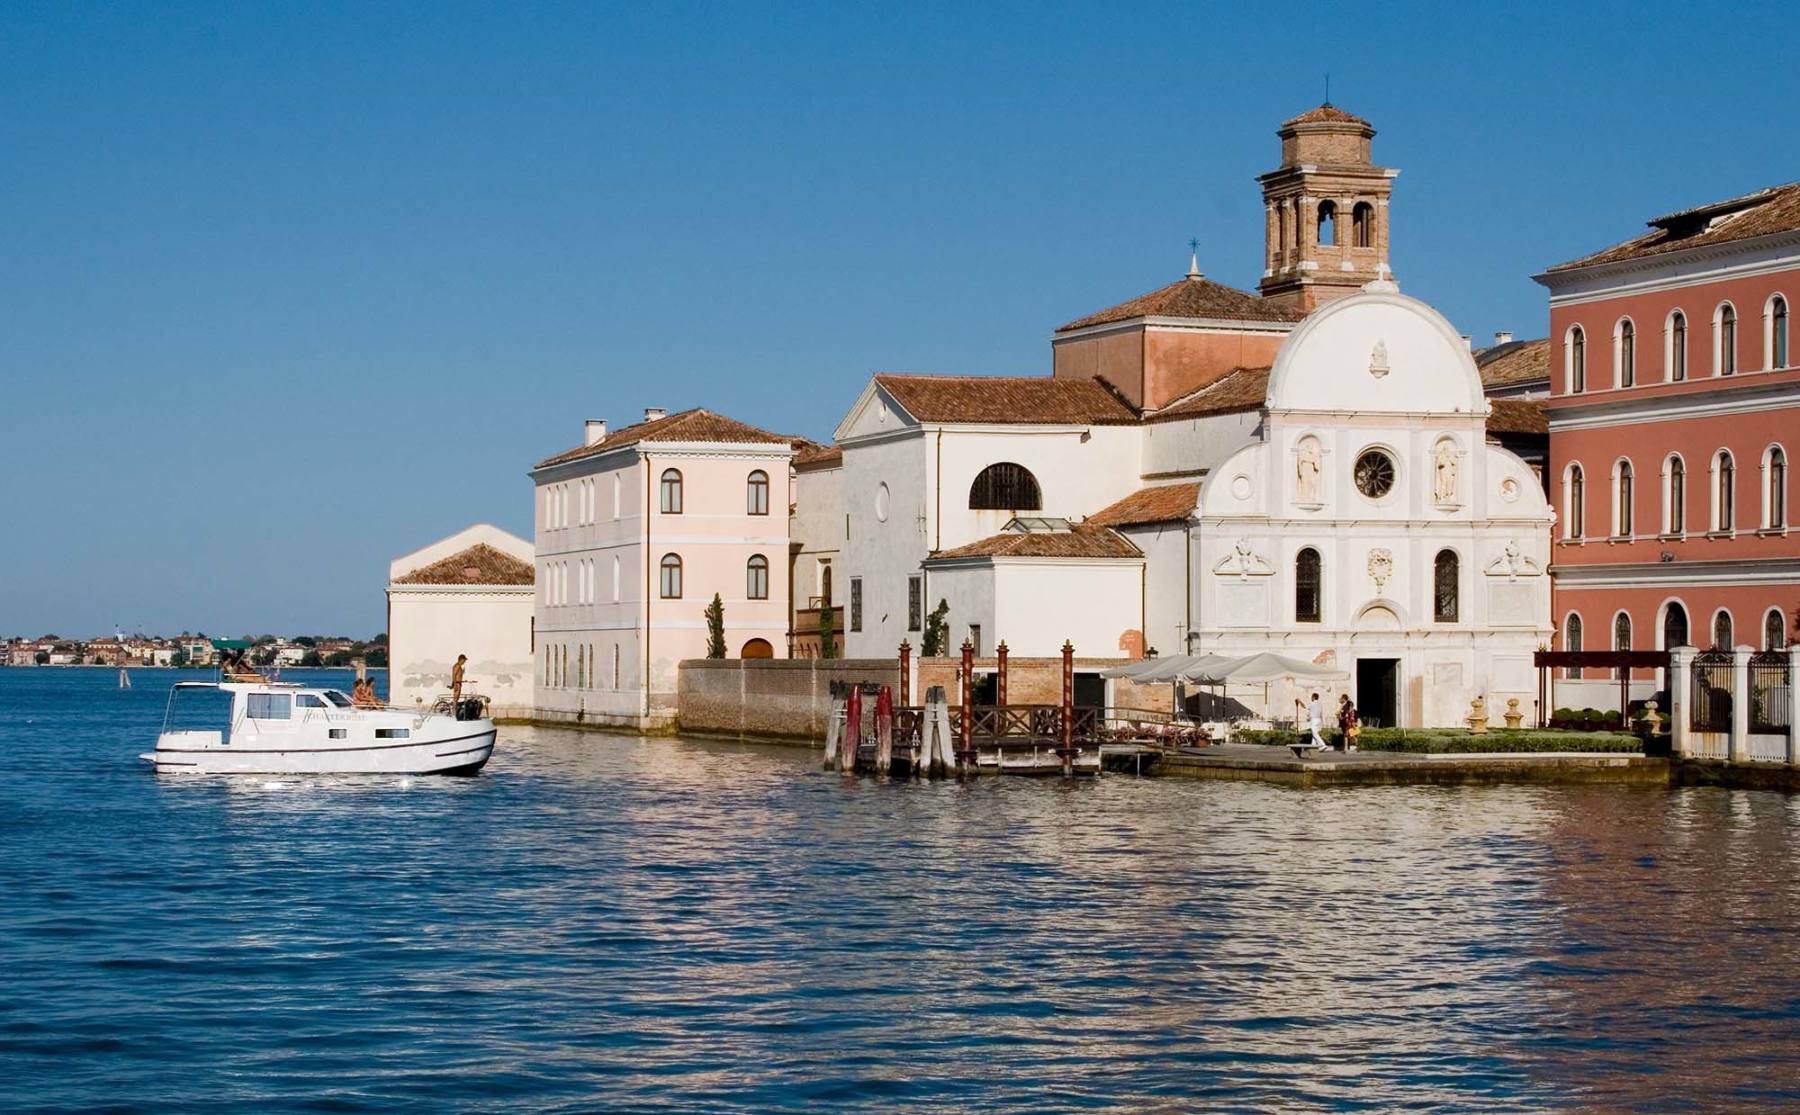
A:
337, 698
198, 710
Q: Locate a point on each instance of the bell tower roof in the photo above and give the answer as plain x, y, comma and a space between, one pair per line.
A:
1327, 210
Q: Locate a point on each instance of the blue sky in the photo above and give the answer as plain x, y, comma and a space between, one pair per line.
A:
290, 289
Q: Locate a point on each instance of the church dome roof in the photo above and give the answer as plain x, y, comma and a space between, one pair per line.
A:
1326, 113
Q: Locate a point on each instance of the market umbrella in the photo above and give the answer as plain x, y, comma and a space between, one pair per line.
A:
1264, 668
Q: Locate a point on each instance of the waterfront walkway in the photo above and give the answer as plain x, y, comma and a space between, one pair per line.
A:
1265, 763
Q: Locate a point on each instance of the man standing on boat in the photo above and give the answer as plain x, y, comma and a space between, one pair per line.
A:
456, 680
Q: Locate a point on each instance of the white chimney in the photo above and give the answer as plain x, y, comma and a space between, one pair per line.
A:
1502, 337
651, 414
596, 431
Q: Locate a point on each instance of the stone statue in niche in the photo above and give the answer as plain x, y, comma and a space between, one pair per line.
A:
1306, 472
1443, 488
1378, 360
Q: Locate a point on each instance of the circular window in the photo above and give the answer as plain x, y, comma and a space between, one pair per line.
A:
1374, 473
881, 503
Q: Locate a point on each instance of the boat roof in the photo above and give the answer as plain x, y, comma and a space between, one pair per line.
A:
253, 686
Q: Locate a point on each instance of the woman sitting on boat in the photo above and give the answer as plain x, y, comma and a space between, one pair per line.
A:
362, 694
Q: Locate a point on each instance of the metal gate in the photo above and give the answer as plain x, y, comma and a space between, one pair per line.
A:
1711, 699
1769, 687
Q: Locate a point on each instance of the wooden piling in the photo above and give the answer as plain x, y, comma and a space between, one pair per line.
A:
1000, 675
834, 734
935, 734
1068, 708
905, 673
884, 731
853, 727
965, 754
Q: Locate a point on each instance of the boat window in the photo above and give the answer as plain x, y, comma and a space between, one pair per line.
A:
337, 698
340, 733
393, 733
307, 700
269, 706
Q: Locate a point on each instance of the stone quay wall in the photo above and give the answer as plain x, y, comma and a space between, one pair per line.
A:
770, 698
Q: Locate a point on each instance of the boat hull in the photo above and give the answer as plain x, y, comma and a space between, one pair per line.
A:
463, 752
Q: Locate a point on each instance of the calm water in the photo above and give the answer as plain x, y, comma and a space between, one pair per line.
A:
604, 923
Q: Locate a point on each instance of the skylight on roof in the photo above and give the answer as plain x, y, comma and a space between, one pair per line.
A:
1036, 524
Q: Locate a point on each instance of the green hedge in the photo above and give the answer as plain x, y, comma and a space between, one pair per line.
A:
1461, 740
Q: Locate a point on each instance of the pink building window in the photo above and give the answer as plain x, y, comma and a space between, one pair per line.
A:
756, 493
671, 577
671, 491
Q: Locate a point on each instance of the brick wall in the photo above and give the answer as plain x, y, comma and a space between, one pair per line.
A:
773, 698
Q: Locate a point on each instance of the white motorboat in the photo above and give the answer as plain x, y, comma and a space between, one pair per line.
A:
262, 727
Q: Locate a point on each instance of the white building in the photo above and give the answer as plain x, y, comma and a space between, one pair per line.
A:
470, 593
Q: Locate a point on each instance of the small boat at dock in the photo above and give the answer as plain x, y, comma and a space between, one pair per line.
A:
266, 727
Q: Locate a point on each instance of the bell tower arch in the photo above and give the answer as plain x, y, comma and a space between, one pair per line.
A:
1326, 207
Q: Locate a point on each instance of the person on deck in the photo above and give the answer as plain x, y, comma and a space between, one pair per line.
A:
1347, 722
456, 680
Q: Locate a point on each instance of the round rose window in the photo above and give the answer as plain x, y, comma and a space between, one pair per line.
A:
1374, 473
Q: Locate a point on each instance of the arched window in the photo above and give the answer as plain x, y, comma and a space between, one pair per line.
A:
1307, 582
1362, 223
671, 491
1675, 360
1447, 586
1774, 488
1722, 629
825, 585
1724, 492
1327, 223
1774, 630
1575, 360
1281, 219
1574, 502
1572, 641
1622, 499
756, 578
615, 676
580, 663
1674, 495
1675, 626
1775, 340
1725, 340
1624, 353
671, 577
1621, 638
756, 493
615, 578
618, 486
1005, 487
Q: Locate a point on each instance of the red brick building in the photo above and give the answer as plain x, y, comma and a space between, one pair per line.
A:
1674, 413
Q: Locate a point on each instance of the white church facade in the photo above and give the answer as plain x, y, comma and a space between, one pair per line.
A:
1313, 471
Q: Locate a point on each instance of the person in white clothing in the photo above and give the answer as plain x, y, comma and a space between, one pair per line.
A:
1315, 716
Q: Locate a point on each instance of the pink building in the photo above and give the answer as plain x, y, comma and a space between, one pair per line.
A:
636, 532
1674, 407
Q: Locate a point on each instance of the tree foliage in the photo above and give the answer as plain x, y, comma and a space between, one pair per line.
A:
828, 647
715, 628
937, 631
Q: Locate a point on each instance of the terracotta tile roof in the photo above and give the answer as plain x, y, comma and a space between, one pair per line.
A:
1776, 209
1167, 503
1238, 389
1193, 296
812, 455
1325, 113
480, 564
1081, 540
688, 425
1518, 416
1029, 400
1514, 362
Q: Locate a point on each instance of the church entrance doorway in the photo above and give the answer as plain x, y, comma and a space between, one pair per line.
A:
1378, 691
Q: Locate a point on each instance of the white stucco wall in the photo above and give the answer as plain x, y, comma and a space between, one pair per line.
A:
429, 625
1007, 597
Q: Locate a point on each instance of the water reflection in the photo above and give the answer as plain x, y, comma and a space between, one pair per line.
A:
605, 922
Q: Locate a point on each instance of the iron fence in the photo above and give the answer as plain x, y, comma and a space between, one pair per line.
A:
1769, 689
1711, 703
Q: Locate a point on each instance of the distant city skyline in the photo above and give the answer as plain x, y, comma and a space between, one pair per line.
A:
292, 292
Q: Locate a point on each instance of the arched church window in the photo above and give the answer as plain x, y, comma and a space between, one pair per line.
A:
1362, 225
1572, 642
1374, 473
1307, 583
1621, 639
1774, 630
1447, 587
1327, 223
1005, 487
1722, 630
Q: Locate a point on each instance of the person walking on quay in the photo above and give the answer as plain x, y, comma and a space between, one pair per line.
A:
1347, 722
1315, 717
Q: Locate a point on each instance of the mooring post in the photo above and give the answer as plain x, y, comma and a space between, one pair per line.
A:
906, 673
853, 727
1068, 708
884, 730
834, 731
1740, 703
936, 733
965, 752
1000, 677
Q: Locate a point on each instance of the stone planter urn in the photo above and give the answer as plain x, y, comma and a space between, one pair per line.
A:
1478, 717
1513, 716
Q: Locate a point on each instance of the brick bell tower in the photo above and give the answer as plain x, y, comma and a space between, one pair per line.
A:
1327, 210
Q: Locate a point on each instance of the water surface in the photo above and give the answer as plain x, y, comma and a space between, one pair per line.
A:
600, 922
